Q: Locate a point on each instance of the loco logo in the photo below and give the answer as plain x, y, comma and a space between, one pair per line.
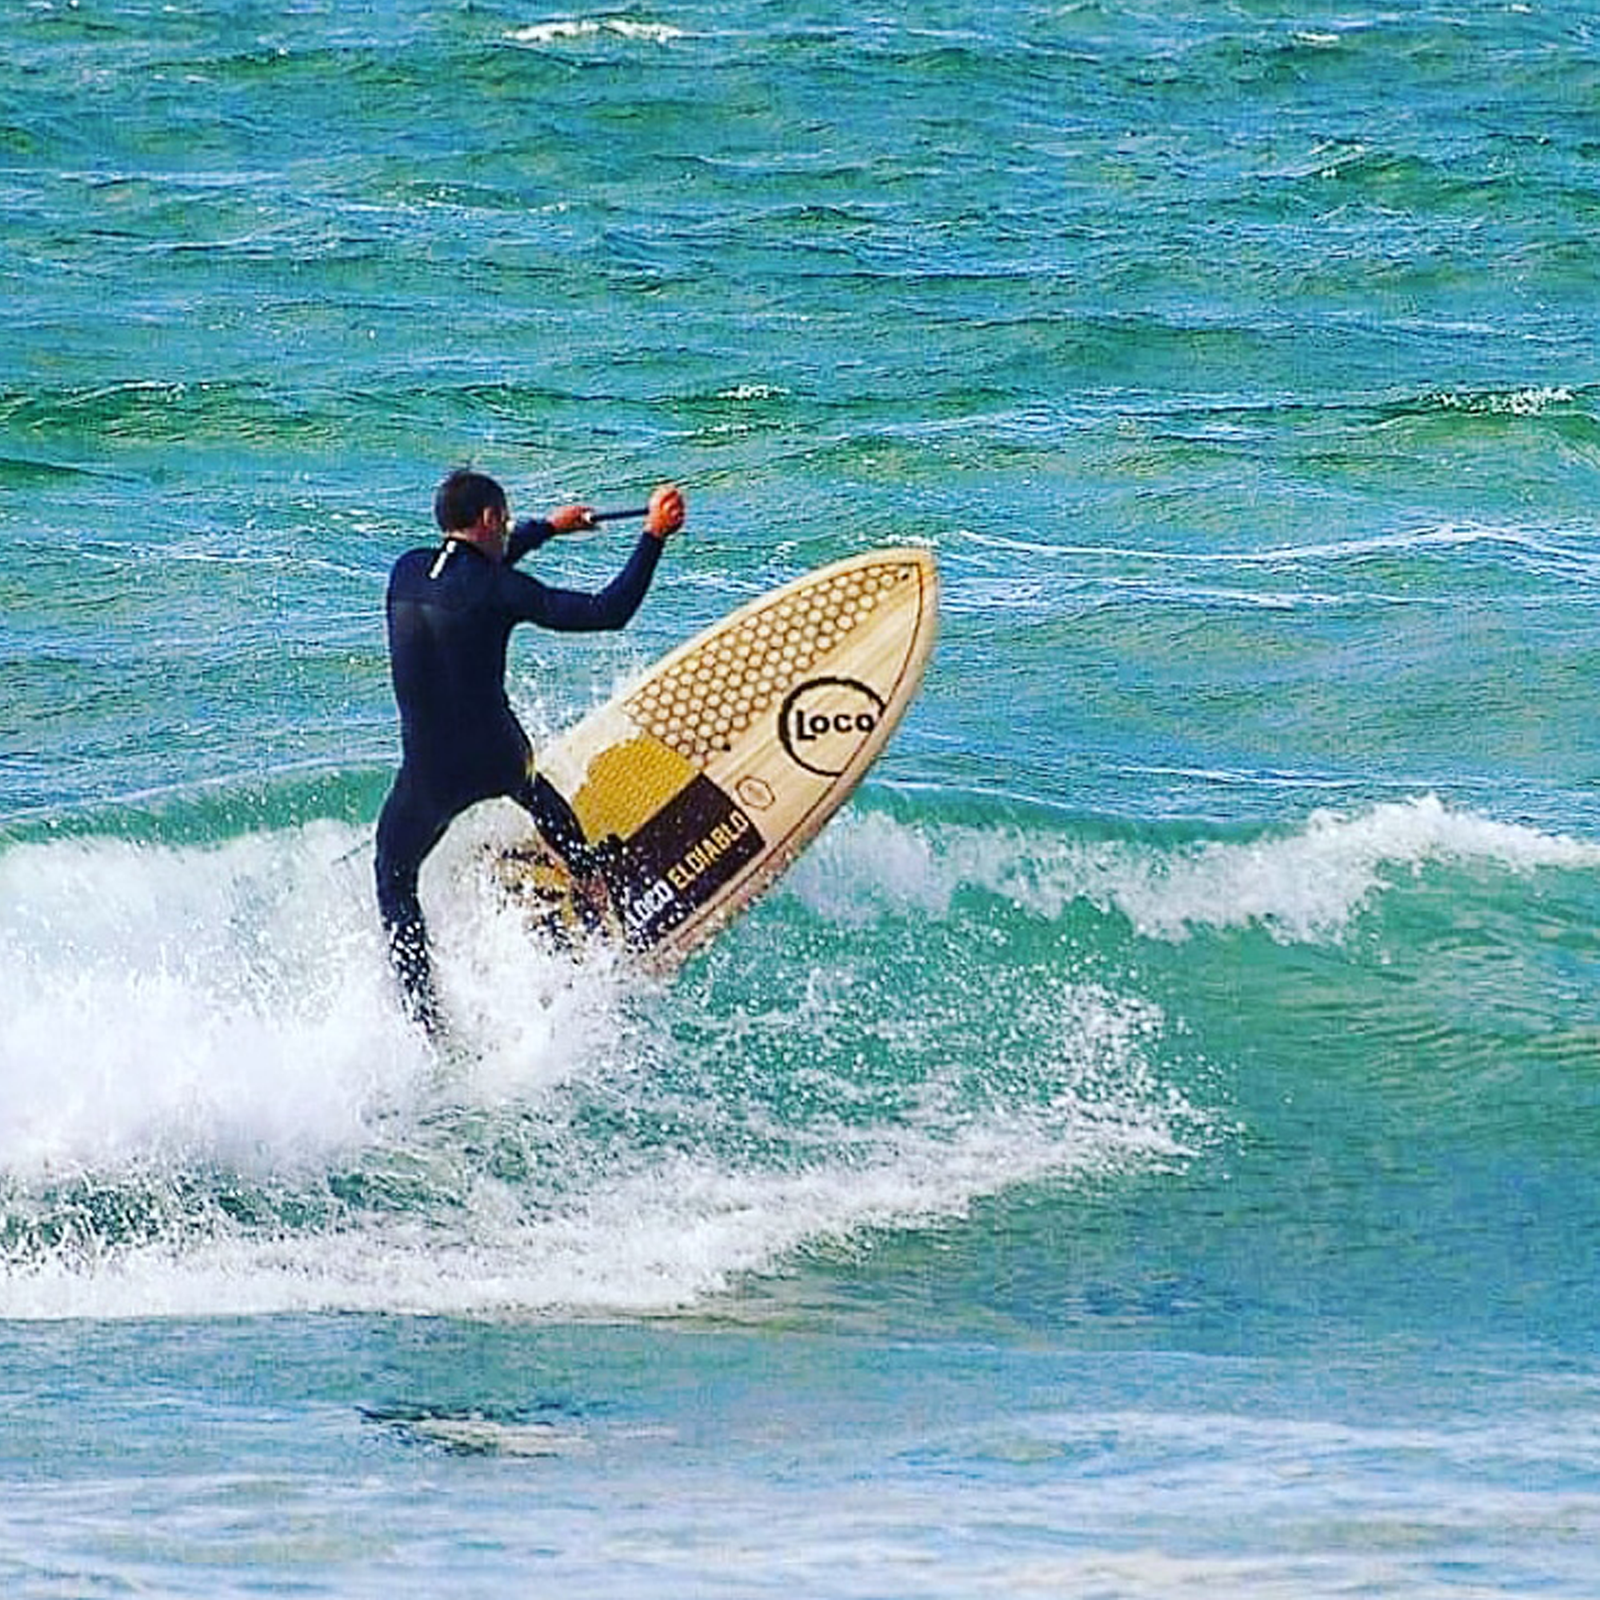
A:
825, 721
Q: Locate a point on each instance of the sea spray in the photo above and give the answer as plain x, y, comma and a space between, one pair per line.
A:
262, 1131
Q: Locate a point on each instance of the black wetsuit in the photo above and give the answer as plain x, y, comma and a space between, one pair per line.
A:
451, 609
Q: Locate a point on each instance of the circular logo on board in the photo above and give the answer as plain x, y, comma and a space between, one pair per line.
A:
825, 721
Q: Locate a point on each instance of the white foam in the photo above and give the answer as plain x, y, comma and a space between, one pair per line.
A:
177, 1025
1309, 885
645, 1230
1303, 885
1446, 539
180, 1027
155, 1002
567, 29
221, 1004
1527, 402
526, 1018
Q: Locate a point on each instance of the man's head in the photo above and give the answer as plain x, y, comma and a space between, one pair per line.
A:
463, 497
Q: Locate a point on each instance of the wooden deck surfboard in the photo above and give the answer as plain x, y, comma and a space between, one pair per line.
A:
702, 782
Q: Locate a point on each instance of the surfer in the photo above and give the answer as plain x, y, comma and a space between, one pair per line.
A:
451, 609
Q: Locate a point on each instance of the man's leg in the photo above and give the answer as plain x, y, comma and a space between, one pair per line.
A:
407, 831
561, 830
557, 822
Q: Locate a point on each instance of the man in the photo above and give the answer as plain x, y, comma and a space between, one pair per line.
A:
450, 614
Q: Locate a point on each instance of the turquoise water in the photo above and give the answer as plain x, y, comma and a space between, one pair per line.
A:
1150, 1142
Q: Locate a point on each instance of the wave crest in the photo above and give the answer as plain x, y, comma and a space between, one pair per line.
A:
1305, 885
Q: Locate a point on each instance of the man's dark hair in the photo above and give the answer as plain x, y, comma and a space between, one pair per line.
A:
463, 497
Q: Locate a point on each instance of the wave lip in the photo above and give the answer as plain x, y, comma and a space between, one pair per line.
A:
1303, 885
1310, 885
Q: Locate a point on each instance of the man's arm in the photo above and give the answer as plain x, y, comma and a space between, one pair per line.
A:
527, 536
534, 531
570, 611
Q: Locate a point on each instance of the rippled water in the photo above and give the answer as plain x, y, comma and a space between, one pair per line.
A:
1148, 1141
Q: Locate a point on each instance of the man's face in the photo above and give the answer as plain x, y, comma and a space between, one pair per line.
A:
497, 523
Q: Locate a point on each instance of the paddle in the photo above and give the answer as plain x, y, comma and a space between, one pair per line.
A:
597, 517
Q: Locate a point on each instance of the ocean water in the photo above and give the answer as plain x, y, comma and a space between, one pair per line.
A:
1151, 1143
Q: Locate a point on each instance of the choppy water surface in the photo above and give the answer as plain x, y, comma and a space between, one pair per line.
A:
1149, 1141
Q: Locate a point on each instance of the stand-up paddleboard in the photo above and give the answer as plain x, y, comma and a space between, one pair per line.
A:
699, 784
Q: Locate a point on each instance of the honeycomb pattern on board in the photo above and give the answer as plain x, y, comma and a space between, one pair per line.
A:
708, 699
